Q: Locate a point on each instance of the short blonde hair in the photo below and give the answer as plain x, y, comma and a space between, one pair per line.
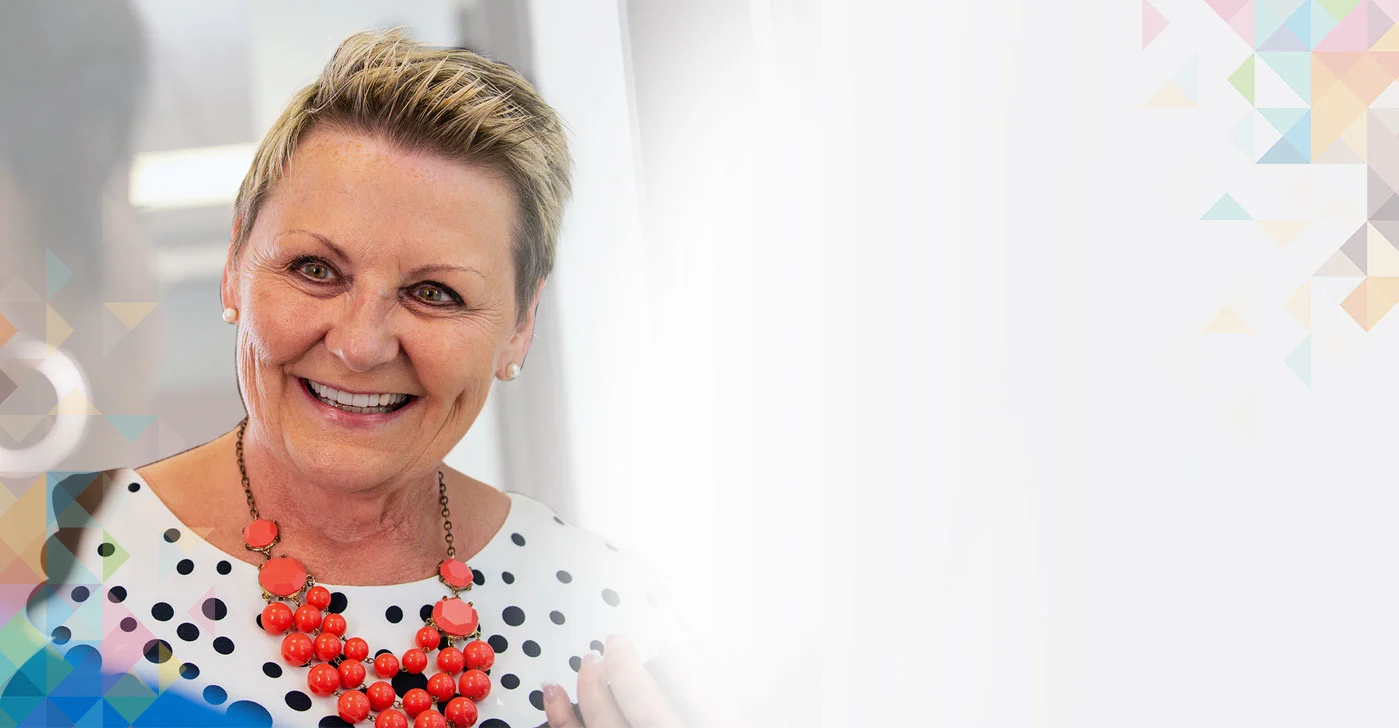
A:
445, 101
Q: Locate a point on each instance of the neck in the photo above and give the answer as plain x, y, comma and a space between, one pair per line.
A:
393, 528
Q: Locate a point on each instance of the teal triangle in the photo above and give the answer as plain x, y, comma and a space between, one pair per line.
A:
1266, 22
1283, 119
93, 716
130, 426
1284, 40
15, 708
1323, 22
1283, 153
20, 684
130, 697
1300, 135
1227, 209
1300, 24
56, 274
1300, 361
1295, 68
75, 706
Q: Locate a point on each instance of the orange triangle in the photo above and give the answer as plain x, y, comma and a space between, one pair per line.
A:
1227, 322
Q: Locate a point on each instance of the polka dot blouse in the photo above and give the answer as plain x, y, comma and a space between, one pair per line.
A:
146, 596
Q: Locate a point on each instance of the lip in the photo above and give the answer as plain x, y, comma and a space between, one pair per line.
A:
351, 419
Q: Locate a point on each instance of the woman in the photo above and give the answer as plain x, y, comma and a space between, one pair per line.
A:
388, 250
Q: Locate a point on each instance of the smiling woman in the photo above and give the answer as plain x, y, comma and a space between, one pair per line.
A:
388, 251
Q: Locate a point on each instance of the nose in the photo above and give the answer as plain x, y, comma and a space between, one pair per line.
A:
364, 336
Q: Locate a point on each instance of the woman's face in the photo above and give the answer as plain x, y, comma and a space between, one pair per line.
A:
372, 271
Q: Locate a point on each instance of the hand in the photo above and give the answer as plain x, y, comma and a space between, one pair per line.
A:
615, 692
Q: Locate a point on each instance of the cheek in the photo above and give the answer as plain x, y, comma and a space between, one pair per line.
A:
458, 365
282, 324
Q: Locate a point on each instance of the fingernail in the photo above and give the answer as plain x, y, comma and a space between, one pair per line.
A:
551, 691
592, 658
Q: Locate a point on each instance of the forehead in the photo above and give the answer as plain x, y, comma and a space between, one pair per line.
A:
373, 197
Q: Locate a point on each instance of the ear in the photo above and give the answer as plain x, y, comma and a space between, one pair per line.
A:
518, 347
228, 285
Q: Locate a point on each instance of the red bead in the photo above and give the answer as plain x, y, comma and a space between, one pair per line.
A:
430, 719
455, 573
381, 695
318, 597
327, 646
356, 649
479, 655
428, 638
276, 618
283, 576
386, 665
297, 649
474, 684
351, 674
334, 624
454, 616
323, 680
416, 701
307, 618
461, 712
260, 534
353, 706
442, 686
414, 661
451, 660
391, 719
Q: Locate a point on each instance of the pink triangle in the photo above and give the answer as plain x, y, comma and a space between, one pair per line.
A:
1390, 7
1227, 9
1152, 23
1379, 23
1242, 22
1352, 34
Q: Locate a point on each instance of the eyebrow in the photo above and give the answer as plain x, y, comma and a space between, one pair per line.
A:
421, 270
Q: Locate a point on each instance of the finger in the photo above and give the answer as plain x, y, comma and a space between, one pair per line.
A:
635, 690
558, 708
594, 698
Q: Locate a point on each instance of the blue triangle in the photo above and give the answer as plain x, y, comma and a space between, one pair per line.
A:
1283, 153
1300, 135
56, 274
1301, 24
1283, 119
1227, 209
1284, 40
130, 426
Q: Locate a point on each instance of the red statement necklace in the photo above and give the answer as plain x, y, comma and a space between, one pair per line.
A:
339, 670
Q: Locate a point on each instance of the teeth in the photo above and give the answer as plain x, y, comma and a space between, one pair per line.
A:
357, 403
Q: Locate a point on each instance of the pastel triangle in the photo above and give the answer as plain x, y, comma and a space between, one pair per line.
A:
1295, 69
1227, 321
131, 313
1227, 208
1352, 33
1300, 361
1153, 22
1242, 78
1299, 304
1282, 231
1383, 259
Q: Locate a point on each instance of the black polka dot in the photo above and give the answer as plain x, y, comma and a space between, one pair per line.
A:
575, 662
223, 645
531, 648
382, 651
536, 698
518, 539
162, 611
495, 723
105, 549
80, 593
215, 609
425, 612
556, 617
215, 695
478, 578
133, 487
158, 651
394, 614
507, 577
224, 567
185, 566
338, 602
187, 632
172, 535
116, 594
271, 669
600, 647
258, 619
61, 635
498, 643
189, 671
128, 624
442, 642
559, 521
611, 597
333, 721
405, 681
509, 681
513, 616
565, 577
297, 700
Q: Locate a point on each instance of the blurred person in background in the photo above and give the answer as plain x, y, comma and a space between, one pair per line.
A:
388, 251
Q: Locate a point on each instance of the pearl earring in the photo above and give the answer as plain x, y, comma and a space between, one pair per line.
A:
230, 315
512, 371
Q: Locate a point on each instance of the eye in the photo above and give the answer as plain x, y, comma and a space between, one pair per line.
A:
313, 268
435, 294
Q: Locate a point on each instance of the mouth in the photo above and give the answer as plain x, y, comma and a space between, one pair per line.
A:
357, 403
